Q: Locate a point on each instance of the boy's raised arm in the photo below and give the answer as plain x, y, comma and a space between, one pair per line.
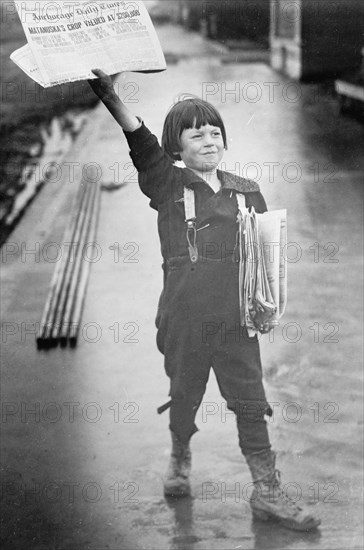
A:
104, 89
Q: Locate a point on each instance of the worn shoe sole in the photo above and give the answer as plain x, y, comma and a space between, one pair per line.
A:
310, 524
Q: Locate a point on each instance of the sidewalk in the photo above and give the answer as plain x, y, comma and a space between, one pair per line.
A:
84, 469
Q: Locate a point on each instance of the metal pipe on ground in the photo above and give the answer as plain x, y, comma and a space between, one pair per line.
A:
57, 278
74, 326
77, 272
70, 268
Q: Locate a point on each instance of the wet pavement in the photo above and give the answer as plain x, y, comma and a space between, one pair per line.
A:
84, 451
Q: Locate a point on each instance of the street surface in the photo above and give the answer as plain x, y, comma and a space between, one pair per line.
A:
84, 469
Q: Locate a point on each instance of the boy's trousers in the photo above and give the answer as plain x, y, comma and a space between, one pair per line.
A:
198, 328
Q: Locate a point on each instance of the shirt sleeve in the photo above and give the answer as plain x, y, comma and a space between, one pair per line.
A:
155, 167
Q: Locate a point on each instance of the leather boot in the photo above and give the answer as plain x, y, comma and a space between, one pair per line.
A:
269, 500
177, 483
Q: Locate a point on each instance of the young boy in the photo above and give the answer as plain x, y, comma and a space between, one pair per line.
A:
198, 317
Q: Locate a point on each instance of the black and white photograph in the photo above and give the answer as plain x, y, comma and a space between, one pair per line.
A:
181, 214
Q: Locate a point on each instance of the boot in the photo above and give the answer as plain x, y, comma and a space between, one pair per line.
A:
269, 501
177, 483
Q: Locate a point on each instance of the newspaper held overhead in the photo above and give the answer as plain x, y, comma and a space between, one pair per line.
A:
68, 39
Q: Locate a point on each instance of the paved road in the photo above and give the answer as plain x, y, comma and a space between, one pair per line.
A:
84, 470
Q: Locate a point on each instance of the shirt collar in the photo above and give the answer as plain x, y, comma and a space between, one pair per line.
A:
228, 181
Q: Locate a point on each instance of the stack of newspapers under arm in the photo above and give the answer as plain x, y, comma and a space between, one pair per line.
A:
263, 271
66, 40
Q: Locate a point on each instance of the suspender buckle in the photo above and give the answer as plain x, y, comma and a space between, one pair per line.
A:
190, 217
192, 247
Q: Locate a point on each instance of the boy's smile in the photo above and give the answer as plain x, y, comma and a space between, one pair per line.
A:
202, 148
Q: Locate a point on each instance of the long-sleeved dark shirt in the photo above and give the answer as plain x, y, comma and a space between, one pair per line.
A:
216, 213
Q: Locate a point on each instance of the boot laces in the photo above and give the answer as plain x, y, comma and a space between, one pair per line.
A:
282, 494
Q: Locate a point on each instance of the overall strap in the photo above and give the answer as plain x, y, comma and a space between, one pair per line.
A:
190, 219
189, 202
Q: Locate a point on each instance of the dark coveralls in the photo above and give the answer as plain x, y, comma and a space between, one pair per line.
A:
198, 316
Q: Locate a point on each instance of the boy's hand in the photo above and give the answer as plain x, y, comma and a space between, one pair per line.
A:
103, 85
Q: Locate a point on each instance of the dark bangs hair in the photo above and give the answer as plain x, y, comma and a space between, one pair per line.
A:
186, 114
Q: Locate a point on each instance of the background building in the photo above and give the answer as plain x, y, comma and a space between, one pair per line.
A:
311, 38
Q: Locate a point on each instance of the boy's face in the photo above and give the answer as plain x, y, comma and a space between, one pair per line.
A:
202, 148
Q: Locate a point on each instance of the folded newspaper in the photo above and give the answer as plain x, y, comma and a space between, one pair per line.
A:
263, 273
67, 39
